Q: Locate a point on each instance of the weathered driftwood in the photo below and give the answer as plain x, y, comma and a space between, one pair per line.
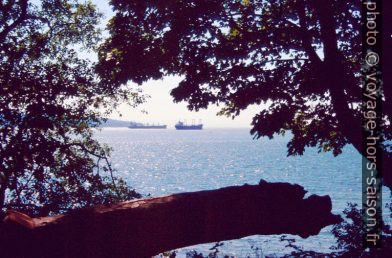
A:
146, 227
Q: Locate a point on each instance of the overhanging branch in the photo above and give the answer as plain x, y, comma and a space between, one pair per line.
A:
146, 227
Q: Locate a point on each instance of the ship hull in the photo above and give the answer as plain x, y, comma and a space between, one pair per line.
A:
148, 127
189, 127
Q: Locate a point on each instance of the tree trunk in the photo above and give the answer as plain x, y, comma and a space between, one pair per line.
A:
3, 187
338, 79
147, 227
387, 84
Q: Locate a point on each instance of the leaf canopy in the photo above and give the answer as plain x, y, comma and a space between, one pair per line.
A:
50, 99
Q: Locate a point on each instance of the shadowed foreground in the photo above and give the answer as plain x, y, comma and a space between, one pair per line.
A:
146, 227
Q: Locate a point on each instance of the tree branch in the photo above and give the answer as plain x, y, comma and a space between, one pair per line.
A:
336, 78
22, 16
103, 157
147, 227
306, 37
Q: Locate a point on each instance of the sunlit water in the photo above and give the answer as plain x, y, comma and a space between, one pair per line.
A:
159, 162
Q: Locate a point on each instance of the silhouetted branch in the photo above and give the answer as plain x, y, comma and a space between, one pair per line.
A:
146, 227
22, 16
99, 157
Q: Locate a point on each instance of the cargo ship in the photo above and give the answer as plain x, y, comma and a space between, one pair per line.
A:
183, 126
134, 125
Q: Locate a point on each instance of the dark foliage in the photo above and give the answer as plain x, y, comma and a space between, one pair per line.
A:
349, 239
349, 236
299, 57
50, 99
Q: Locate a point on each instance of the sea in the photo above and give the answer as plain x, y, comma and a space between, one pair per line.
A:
158, 162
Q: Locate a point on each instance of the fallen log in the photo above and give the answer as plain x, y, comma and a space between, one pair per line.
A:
146, 227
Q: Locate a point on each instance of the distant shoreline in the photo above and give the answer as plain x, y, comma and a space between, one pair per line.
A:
114, 123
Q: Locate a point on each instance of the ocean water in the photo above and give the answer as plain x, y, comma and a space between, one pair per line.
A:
159, 162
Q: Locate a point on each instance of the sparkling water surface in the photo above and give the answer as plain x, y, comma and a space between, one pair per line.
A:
159, 162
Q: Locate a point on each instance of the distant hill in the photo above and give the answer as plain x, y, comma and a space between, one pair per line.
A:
115, 123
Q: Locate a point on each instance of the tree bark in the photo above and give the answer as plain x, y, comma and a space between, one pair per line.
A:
338, 79
387, 84
147, 227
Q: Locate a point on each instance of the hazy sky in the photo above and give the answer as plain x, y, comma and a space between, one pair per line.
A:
160, 106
